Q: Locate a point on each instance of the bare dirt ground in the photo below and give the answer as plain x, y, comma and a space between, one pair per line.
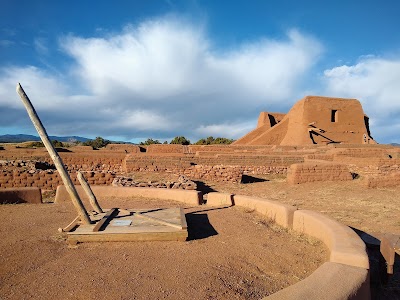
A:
231, 253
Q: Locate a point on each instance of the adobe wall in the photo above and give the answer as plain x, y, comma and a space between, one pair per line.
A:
269, 119
364, 160
265, 135
49, 179
167, 148
370, 152
321, 171
127, 148
20, 195
314, 120
192, 149
382, 181
75, 159
259, 164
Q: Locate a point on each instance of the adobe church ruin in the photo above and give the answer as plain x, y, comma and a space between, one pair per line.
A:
312, 120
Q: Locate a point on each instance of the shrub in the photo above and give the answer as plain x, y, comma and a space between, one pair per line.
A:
97, 143
180, 140
150, 142
211, 141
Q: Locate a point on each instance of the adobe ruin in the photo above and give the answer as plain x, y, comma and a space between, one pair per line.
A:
313, 120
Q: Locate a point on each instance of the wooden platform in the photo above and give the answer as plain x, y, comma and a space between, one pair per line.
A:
120, 225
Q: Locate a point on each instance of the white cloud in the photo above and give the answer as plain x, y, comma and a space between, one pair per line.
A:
228, 130
47, 91
40, 45
164, 78
375, 82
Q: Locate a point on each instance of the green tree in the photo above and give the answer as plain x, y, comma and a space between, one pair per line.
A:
226, 141
35, 145
201, 142
150, 142
97, 143
57, 144
211, 141
181, 140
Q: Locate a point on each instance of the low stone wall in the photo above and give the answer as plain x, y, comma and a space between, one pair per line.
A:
127, 148
381, 181
282, 214
86, 160
20, 195
183, 183
265, 170
310, 172
49, 179
369, 152
167, 148
326, 157
251, 164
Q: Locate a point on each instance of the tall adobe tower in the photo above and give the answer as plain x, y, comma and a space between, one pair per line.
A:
313, 120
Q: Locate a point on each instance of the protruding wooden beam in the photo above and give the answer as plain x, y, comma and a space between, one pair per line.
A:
89, 193
54, 156
105, 220
71, 225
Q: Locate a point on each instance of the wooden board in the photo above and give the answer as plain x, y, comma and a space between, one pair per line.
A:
166, 224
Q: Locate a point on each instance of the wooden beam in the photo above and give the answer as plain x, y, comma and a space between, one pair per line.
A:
71, 225
54, 156
89, 193
105, 220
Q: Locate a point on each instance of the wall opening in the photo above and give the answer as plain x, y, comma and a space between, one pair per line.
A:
334, 115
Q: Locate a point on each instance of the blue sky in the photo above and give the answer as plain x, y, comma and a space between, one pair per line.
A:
132, 70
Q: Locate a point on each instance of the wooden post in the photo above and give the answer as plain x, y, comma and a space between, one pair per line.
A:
89, 192
54, 156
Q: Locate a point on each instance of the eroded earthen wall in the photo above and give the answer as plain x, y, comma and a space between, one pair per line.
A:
49, 180
310, 172
382, 180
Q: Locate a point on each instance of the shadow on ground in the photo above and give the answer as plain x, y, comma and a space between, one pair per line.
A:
251, 179
204, 188
383, 285
199, 226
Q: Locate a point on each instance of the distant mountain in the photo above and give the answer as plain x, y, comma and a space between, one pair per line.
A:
19, 138
395, 144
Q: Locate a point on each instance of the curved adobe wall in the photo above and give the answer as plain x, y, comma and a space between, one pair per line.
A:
345, 276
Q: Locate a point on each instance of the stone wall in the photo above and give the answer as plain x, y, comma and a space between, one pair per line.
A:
310, 172
49, 179
218, 173
168, 148
127, 148
254, 164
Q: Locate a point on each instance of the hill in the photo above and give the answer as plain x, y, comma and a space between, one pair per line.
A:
19, 138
